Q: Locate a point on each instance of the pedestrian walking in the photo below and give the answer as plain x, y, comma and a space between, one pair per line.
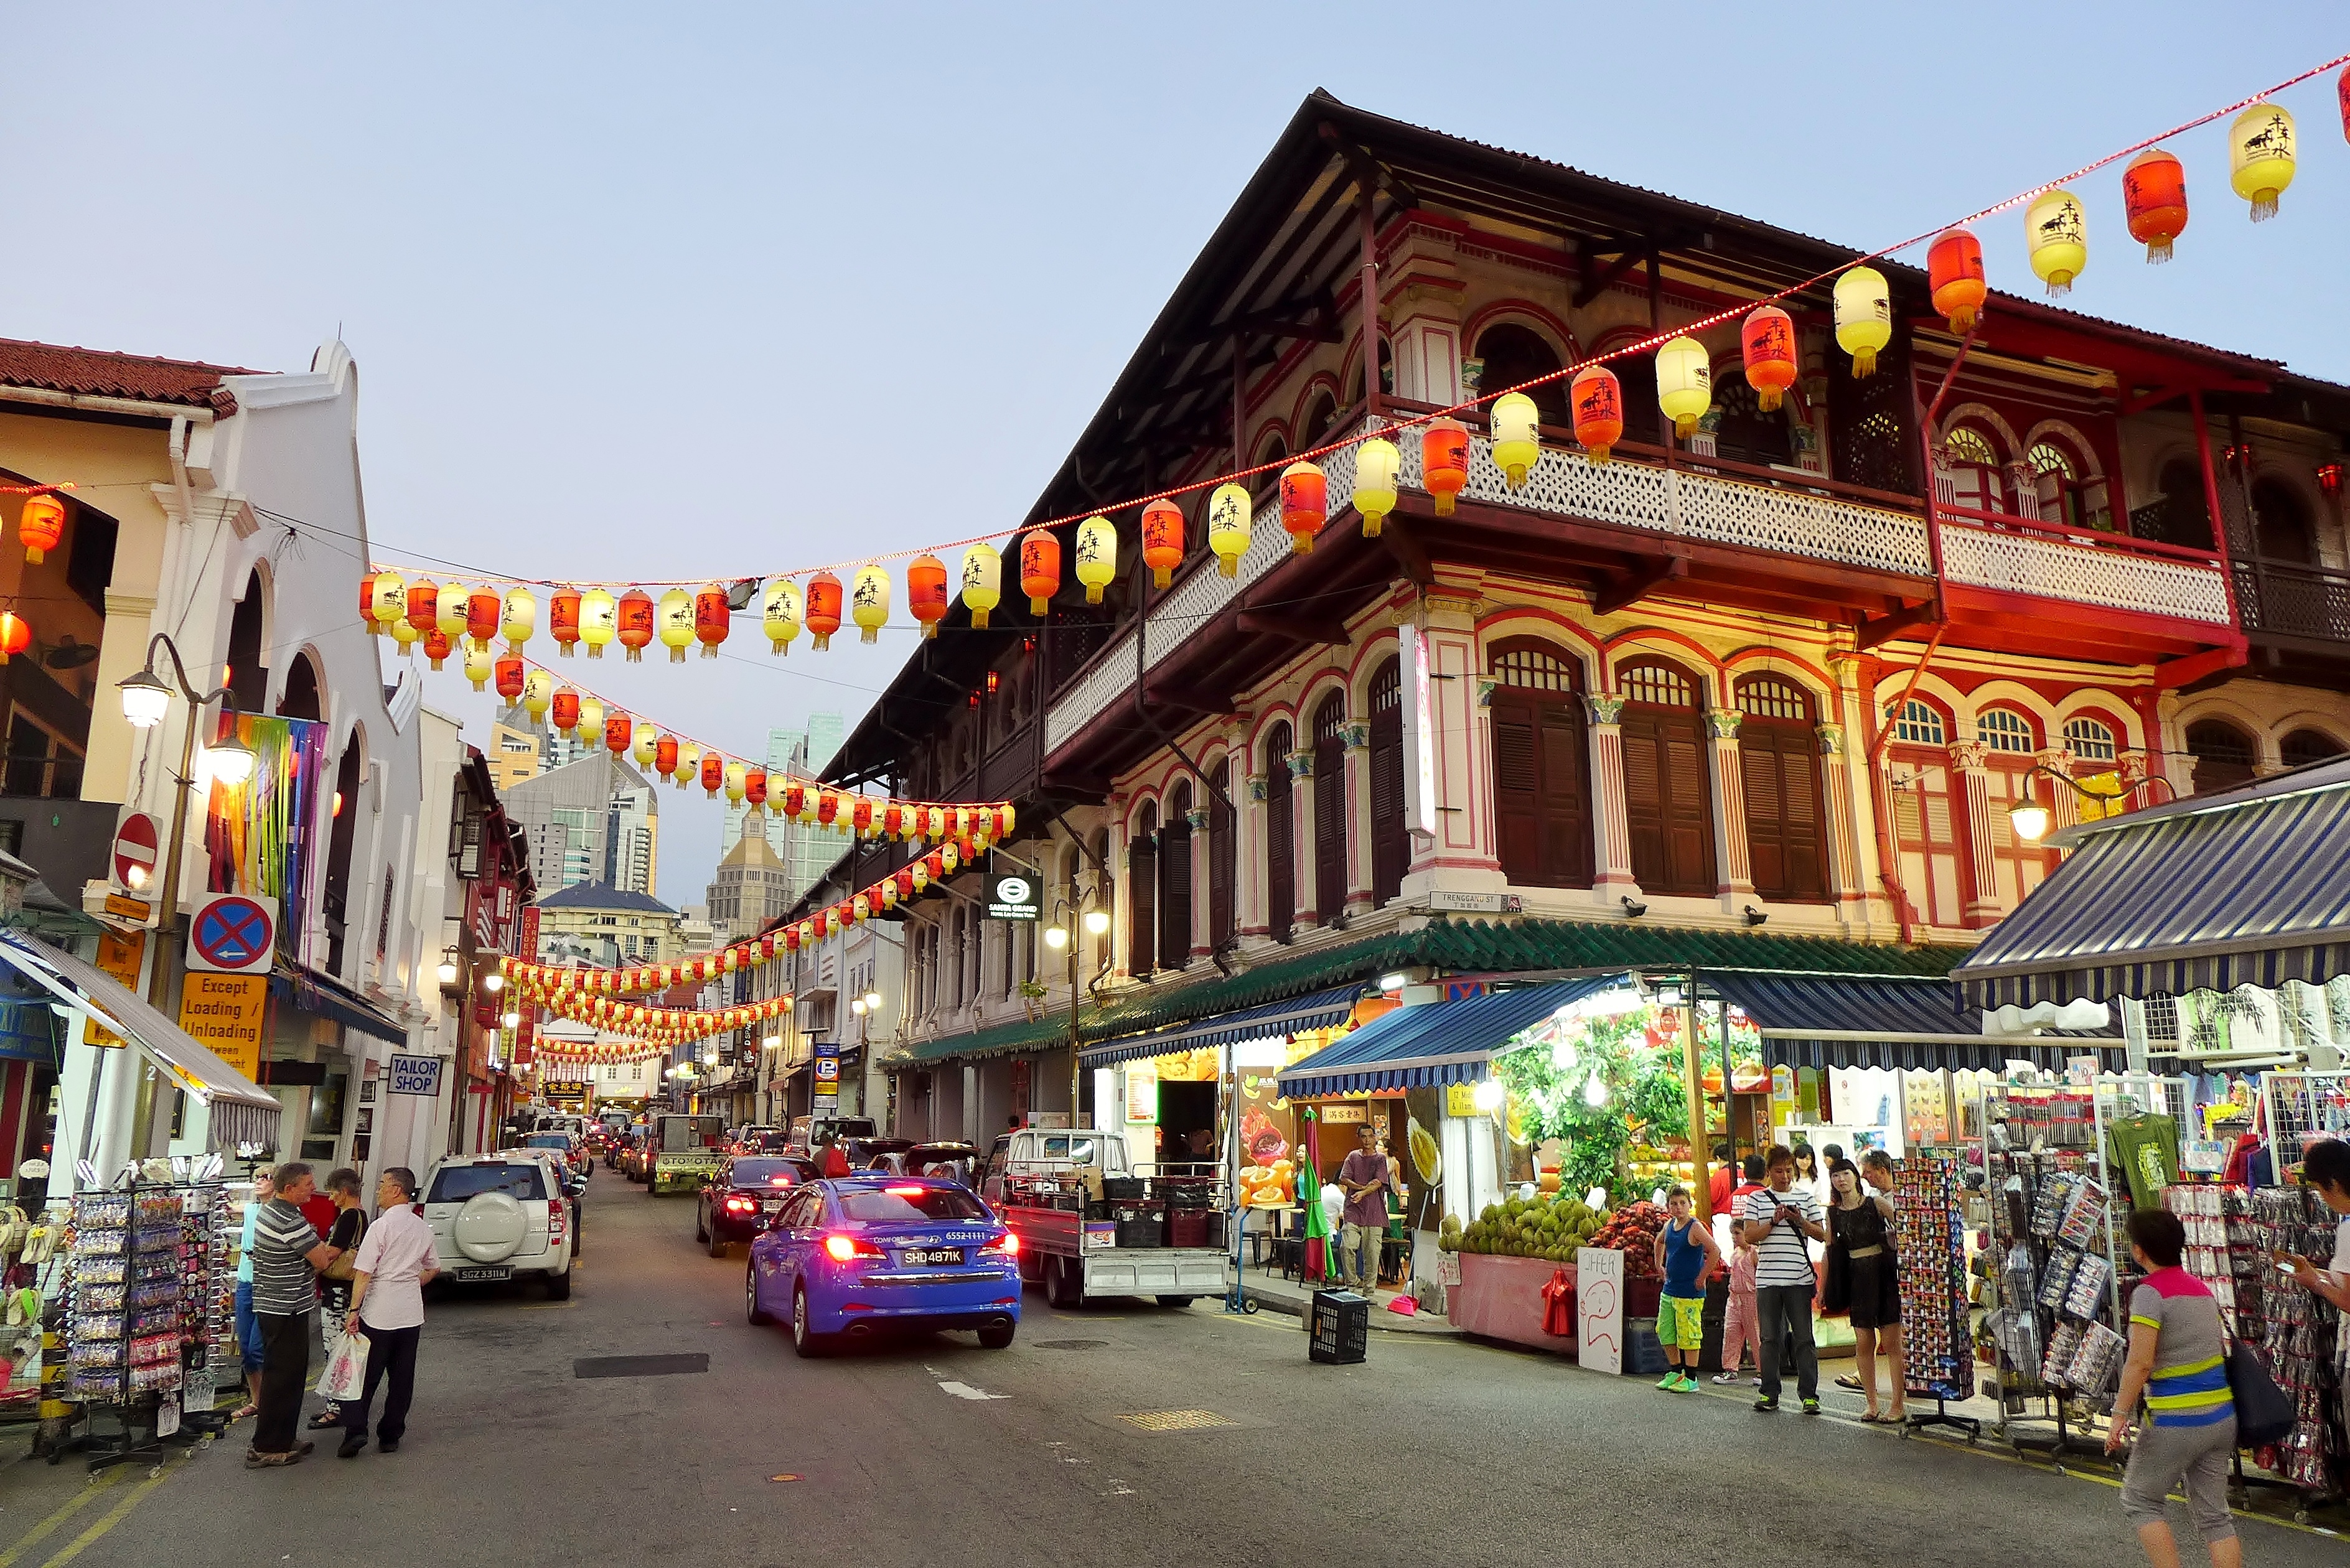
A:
2178, 1359
1718, 1185
1686, 1255
287, 1258
1778, 1220
335, 1280
1862, 1280
1363, 1177
248, 1330
396, 1261
832, 1160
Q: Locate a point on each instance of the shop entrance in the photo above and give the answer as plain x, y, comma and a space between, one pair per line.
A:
1186, 1123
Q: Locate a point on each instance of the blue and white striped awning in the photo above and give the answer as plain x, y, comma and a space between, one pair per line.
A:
1434, 1043
1878, 1020
1320, 1010
2251, 886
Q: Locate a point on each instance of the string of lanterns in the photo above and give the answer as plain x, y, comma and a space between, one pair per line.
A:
596, 1054
2263, 149
669, 1025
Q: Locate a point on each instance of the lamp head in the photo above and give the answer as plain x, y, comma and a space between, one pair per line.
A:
229, 762
448, 970
1056, 937
2030, 819
145, 700
1096, 922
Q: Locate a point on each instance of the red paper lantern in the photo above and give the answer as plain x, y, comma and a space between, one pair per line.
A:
823, 617
565, 708
905, 880
1306, 502
754, 786
1596, 399
1040, 568
14, 635
635, 611
828, 806
1954, 269
1444, 460
2153, 192
436, 646
1768, 340
563, 620
926, 592
1162, 540
861, 816
42, 524
618, 731
509, 673
713, 617
713, 774
482, 610
665, 756
794, 799
423, 605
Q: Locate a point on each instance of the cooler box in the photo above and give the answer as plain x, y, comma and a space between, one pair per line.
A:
1339, 1328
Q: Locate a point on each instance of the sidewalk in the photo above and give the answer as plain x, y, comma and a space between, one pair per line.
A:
1291, 1297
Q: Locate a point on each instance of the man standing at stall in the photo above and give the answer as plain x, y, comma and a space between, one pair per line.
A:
1363, 1176
287, 1258
1777, 1220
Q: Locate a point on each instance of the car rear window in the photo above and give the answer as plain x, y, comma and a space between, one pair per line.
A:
547, 1140
749, 1172
456, 1183
886, 1205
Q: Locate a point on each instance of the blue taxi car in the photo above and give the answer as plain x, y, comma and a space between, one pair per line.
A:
850, 1257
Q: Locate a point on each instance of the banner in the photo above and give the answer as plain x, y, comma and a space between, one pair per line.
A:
259, 833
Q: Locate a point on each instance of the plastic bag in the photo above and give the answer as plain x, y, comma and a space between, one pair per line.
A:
346, 1373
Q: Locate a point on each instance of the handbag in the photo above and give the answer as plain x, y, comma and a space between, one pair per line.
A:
345, 1266
2264, 1414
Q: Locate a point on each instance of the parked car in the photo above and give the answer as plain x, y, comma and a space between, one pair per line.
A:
947, 1161
573, 1185
807, 1130
499, 1217
570, 1146
748, 1138
735, 1204
848, 1256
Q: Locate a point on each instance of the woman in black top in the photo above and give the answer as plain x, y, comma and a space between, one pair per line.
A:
1863, 1279
334, 1294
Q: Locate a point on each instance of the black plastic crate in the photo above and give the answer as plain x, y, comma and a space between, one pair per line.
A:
1339, 1328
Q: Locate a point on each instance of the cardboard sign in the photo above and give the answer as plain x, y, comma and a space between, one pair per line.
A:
223, 1013
1599, 1309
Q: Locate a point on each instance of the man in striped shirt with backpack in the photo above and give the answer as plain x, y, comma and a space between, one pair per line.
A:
1776, 1220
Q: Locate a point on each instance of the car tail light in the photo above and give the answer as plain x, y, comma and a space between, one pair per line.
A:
779, 1180
845, 1249
742, 1205
1005, 1246
903, 1191
555, 1219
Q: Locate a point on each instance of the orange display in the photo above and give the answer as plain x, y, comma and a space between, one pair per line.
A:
1444, 459
1305, 503
1767, 339
1040, 568
563, 620
822, 609
713, 617
2154, 193
1596, 399
1954, 270
42, 524
1162, 540
926, 592
636, 615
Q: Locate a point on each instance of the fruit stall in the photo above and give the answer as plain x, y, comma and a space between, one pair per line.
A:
1517, 1266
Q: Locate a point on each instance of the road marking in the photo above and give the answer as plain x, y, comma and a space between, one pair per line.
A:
80, 1501
965, 1391
114, 1515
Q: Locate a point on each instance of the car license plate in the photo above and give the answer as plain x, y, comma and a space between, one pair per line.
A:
468, 1276
921, 1256
772, 1204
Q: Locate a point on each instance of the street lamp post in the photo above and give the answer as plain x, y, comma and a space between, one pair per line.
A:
2031, 819
145, 702
1057, 936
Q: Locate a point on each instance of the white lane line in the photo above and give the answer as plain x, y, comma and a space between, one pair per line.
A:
965, 1391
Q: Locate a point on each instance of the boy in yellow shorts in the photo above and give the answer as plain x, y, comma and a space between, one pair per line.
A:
1686, 1256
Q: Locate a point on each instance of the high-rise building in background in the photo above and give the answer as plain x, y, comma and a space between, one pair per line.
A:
782, 746
514, 754
592, 820
752, 888
804, 851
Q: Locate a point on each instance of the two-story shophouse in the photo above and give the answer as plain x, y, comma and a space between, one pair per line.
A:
1761, 700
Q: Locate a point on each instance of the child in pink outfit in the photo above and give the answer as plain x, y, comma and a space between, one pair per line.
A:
1741, 1330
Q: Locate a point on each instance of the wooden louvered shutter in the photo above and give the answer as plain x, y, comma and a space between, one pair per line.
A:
1175, 890
1390, 841
1784, 834
1689, 809
1644, 798
1565, 754
1760, 765
1518, 817
1330, 810
1280, 838
1221, 851
1141, 906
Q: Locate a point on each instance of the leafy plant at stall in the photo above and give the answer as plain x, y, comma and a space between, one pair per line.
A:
1640, 1096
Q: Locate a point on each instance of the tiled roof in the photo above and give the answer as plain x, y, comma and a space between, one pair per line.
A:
597, 895
96, 373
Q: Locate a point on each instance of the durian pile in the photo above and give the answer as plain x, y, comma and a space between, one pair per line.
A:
1549, 1228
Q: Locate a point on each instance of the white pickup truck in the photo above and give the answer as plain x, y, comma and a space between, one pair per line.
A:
1042, 1180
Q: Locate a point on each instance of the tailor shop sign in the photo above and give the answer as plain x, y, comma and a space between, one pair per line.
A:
224, 1012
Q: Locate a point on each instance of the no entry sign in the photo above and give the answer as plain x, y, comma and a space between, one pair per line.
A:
135, 841
232, 933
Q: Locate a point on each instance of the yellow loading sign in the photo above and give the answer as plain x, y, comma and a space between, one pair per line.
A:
223, 1012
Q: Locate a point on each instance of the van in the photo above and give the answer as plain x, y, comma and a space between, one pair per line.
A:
806, 1130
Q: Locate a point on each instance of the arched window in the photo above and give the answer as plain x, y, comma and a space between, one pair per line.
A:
1973, 464
1744, 432
1222, 852
2059, 473
1387, 374
1390, 841
2305, 746
248, 678
2182, 514
2091, 740
1920, 724
2223, 754
1272, 449
1141, 892
1668, 786
1542, 767
1320, 415
1514, 354
300, 698
1330, 808
1104, 900
2005, 730
2280, 524
1280, 834
1175, 880
1779, 763
343, 807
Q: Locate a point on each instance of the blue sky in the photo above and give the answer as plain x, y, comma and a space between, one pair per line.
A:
660, 291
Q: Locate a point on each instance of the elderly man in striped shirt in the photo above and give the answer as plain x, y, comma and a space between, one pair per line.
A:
287, 1258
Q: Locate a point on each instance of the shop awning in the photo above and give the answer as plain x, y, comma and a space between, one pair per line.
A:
305, 990
242, 1111
1320, 1010
1877, 1021
2247, 886
1434, 1043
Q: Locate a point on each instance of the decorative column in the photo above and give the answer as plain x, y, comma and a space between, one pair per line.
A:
1458, 746
1731, 851
1983, 907
1200, 856
2135, 768
1355, 736
1422, 288
1614, 878
1845, 758
1301, 837
1254, 870
1838, 833
2064, 805
1120, 959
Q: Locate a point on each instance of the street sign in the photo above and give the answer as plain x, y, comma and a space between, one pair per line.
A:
123, 907
136, 865
416, 1076
223, 1013
1011, 896
118, 955
232, 933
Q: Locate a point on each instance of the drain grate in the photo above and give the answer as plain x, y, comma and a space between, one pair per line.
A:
640, 1366
1174, 1420
1068, 1344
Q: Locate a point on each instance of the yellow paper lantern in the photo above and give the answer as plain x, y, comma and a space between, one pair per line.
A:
519, 618
1685, 383
591, 719
673, 621
689, 763
1517, 436
1096, 557
537, 693
983, 582
449, 615
868, 602
1228, 526
1864, 316
386, 596
782, 611
2059, 233
2261, 151
1378, 464
599, 620
735, 772
405, 632
648, 739
479, 663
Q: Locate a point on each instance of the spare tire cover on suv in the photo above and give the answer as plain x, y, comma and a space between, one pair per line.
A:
490, 1228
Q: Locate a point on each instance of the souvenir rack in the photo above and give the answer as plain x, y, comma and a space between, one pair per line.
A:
1937, 1330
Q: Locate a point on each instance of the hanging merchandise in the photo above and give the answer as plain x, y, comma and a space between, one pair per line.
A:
16, 636
1228, 526
1377, 466
2153, 192
1162, 541
599, 620
1096, 557
673, 621
1040, 568
42, 524
1516, 427
563, 620
1935, 1284
1596, 399
1684, 384
637, 622
868, 602
926, 594
713, 619
1864, 316
823, 609
780, 614
1954, 271
2059, 234
2260, 153
518, 617
1304, 505
1444, 462
983, 583
1767, 340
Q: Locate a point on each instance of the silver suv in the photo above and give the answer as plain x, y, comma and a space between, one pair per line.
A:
497, 1216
